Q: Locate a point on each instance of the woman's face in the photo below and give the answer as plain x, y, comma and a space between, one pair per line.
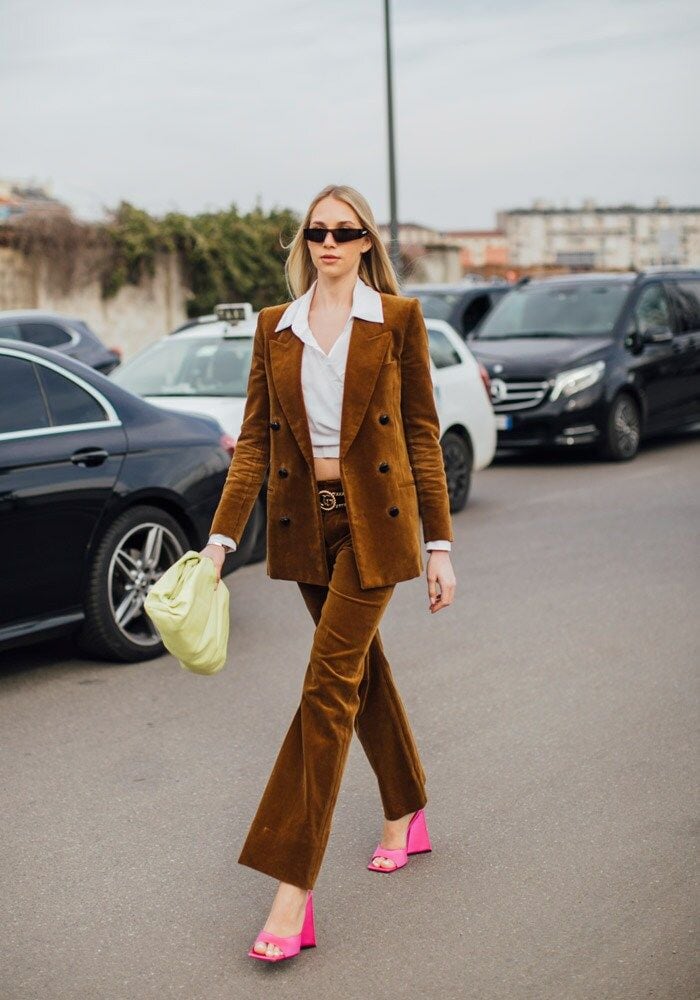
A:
329, 257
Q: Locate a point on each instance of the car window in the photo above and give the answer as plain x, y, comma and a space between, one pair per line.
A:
437, 305
22, 406
44, 334
11, 331
441, 350
652, 309
189, 366
68, 402
590, 308
475, 312
686, 301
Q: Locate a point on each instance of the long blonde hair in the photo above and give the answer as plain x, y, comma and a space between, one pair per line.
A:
375, 268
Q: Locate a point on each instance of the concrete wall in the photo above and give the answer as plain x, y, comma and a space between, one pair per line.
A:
135, 317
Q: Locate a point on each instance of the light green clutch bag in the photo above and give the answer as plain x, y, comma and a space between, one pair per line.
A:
190, 612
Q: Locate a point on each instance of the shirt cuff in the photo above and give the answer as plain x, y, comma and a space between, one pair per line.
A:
440, 543
228, 543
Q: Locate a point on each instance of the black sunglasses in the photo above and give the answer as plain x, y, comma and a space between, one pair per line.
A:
339, 235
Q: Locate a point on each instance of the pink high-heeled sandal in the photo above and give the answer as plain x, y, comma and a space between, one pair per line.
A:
292, 944
417, 842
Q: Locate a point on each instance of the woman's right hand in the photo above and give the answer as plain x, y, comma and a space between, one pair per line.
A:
217, 553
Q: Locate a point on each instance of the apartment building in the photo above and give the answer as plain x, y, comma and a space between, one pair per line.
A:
598, 237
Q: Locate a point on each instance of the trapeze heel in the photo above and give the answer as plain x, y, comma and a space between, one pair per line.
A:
417, 839
293, 943
308, 931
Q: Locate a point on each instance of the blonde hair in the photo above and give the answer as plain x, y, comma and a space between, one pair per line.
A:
375, 268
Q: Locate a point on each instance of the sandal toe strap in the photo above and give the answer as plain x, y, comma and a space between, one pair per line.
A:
398, 854
283, 942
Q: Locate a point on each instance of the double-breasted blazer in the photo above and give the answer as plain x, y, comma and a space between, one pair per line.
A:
391, 462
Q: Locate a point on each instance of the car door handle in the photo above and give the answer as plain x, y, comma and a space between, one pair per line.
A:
89, 456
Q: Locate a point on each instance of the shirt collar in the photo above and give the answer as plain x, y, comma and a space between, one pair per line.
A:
366, 304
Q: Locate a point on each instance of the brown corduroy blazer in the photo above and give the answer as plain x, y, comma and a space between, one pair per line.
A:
391, 463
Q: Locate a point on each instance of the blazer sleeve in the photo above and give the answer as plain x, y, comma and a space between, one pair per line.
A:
251, 456
422, 428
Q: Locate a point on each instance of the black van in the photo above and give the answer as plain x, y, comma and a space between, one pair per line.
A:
598, 359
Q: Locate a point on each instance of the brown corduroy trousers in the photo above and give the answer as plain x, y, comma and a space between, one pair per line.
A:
347, 687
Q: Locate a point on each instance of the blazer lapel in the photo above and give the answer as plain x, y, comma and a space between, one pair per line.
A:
366, 351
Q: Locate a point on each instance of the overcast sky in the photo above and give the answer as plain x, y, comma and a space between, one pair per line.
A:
183, 105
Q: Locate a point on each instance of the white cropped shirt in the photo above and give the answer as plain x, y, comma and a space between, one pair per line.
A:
323, 376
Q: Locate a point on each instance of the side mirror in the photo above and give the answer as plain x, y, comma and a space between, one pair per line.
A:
657, 335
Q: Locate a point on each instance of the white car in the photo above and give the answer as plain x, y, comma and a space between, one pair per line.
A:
203, 368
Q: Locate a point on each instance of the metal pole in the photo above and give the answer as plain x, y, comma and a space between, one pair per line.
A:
393, 222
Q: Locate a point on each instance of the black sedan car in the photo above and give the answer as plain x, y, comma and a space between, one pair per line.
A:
598, 359
99, 493
66, 334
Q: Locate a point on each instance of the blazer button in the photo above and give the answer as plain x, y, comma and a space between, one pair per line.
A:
383, 418
275, 425
285, 519
283, 473
384, 467
393, 511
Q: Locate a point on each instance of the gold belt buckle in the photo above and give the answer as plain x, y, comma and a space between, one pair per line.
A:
327, 504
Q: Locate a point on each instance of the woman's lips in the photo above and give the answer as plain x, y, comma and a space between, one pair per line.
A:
327, 256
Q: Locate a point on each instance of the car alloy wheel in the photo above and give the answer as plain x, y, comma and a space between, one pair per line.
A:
626, 425
620, 441
140, 558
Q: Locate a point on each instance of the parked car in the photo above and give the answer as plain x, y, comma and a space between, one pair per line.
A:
462, 305
99, 493
467, 423
601, 359
204, 368
66, 334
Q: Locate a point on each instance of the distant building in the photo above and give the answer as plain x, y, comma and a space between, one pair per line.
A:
480, 247
429, 254
595, 237
17, 198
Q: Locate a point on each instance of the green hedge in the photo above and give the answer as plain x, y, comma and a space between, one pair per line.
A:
225, 256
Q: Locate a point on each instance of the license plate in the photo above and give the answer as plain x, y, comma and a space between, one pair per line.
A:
504, 421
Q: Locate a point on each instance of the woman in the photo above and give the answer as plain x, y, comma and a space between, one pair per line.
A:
340, 407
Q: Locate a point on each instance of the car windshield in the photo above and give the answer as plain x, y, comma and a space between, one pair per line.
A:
437, 305
189, 366
575, 310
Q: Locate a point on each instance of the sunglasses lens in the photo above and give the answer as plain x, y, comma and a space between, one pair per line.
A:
339, 235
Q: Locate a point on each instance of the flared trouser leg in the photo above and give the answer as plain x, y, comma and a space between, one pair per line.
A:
347, 687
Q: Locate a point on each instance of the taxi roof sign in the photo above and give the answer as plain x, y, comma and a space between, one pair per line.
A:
234, 312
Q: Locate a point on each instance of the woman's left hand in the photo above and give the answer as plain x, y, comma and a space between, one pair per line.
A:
440, 573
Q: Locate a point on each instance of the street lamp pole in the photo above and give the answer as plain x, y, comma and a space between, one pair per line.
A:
393, 222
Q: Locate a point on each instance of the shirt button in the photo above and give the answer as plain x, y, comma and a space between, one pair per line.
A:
383, 418
285, 519
282, 472
393, 511
384, 467
275, 425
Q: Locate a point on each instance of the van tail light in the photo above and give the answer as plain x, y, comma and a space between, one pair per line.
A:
228, 443
486, 380
118, 351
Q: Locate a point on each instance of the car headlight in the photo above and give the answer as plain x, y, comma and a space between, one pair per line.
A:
577, 379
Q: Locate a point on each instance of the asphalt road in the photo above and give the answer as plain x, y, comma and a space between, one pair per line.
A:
556, 708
